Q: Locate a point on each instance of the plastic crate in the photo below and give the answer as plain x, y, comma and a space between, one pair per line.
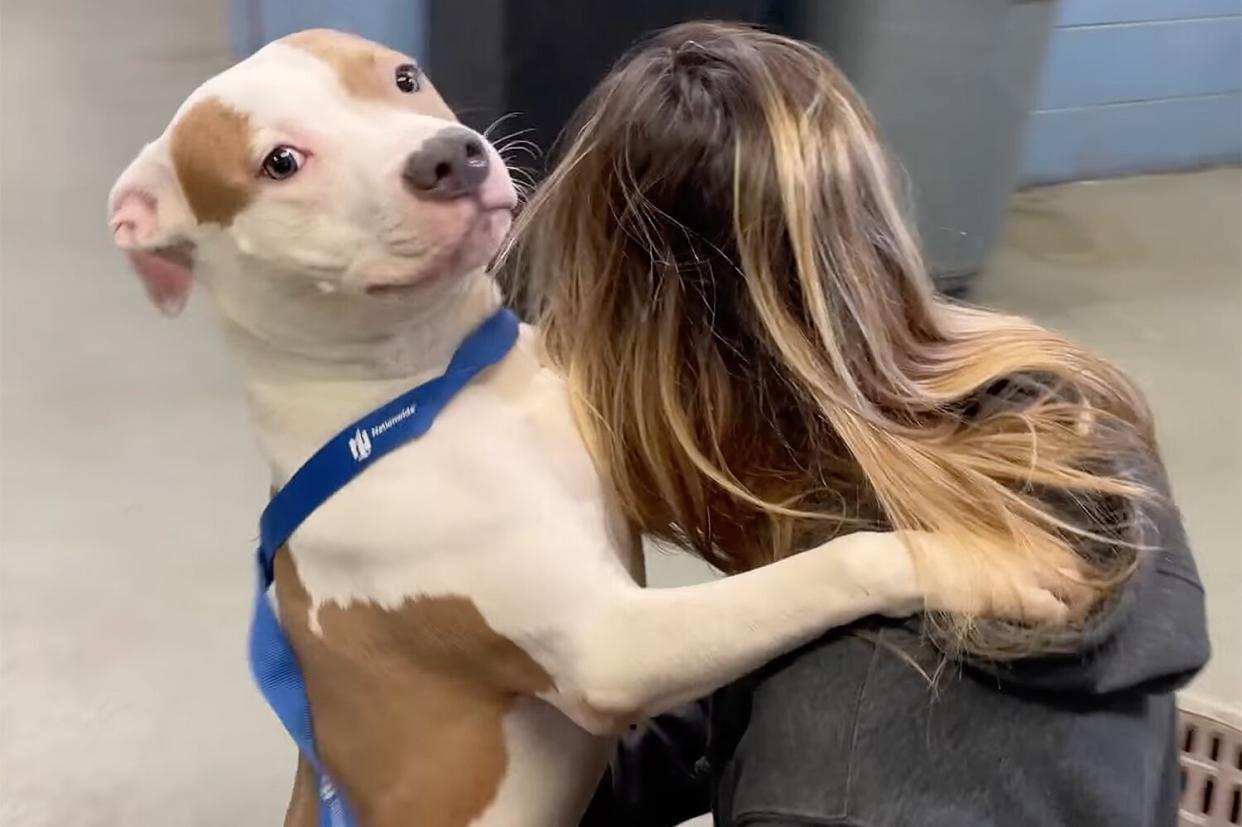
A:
1211, 764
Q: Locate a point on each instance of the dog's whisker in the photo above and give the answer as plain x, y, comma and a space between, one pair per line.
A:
488, 131
511, 151
514, 161
522, 180
505, 140
516, 141
520, 169
515, 133
529, 146
527, 175
510, 158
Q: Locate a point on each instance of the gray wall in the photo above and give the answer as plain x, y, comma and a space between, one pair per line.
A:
1137, 86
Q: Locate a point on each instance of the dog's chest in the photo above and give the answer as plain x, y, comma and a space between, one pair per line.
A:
408, 596
500, 491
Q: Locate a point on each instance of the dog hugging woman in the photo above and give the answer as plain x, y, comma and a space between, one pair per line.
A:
723, 269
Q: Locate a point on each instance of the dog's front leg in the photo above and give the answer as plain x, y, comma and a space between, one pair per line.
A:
637, 652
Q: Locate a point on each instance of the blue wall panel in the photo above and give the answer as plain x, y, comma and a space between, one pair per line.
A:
1135, 86
1141, 61
1094, 12
1151, 136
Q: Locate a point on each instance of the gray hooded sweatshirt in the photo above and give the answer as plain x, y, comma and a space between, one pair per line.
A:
845, 732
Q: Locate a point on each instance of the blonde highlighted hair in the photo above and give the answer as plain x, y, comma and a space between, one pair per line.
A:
722, 267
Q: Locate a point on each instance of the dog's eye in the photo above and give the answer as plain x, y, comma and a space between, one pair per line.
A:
409, 77
282, 162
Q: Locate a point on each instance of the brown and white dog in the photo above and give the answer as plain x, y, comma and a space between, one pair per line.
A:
467, 613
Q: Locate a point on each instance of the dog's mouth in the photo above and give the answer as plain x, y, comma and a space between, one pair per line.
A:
393, 289
386, 289
476, 247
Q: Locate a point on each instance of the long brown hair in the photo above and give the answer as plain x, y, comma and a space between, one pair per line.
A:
722, 267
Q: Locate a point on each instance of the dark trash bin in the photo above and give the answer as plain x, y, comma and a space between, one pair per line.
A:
539, 60
951, 83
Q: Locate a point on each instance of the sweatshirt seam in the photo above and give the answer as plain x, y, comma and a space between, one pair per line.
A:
1183, 578
750, 817
849, 769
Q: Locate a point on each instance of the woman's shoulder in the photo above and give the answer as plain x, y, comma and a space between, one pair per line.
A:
812, 697
875, 726
782, 739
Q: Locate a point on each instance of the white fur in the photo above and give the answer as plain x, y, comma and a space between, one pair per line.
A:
499, 502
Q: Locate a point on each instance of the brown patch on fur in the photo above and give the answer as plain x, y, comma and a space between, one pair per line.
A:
408, 705
365, 69
304, 803
210, 150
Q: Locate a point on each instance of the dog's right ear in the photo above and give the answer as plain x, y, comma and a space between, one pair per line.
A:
150, 221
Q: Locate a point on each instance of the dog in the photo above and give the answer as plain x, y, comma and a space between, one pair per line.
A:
468, 614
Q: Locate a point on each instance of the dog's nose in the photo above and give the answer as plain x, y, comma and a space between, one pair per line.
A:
450, 164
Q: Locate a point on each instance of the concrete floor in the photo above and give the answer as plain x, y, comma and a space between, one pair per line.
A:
129, 486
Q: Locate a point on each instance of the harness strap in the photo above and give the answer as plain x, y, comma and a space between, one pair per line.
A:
272, 659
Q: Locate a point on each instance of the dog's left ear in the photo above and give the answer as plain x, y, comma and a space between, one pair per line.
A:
150, 221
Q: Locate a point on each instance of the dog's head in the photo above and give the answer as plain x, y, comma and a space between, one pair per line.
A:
325, 161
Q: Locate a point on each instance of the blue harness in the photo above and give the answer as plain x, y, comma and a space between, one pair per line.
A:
349, 453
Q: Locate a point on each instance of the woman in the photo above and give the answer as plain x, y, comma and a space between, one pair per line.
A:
722, 268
